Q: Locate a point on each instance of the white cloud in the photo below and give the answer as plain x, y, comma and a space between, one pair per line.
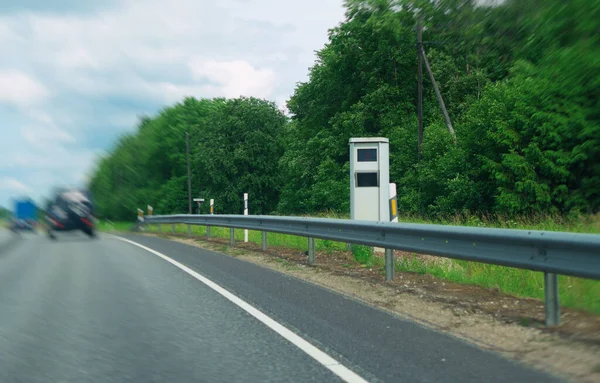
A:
70, 82
75, 58
12, 184
19, 88
107, 52
38, 173
59, 159
7, 35
234, 78
39, 116
123, 120
169, 93
45, 138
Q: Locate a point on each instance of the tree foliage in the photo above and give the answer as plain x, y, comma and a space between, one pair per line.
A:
235, 146
521, 82
5, 213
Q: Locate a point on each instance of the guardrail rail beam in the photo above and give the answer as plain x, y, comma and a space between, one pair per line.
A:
552, 253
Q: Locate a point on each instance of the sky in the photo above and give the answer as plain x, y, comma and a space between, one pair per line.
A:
75, 74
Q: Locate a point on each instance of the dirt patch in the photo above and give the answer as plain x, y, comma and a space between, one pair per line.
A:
509, 325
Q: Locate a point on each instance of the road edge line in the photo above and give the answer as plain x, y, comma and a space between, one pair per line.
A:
323, 358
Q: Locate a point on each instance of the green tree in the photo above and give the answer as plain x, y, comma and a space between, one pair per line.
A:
520, 81
240, 154
235, 146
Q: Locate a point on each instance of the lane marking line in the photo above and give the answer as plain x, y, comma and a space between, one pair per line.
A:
330, 363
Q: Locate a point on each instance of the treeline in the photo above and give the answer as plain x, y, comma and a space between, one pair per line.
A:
5, 213
234, 148
521, 82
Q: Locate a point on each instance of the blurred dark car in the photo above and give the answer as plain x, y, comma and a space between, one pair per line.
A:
71, 210
22, 224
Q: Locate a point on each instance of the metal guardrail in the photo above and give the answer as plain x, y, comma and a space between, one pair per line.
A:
549, 252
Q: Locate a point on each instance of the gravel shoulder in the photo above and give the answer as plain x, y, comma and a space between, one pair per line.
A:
485, 317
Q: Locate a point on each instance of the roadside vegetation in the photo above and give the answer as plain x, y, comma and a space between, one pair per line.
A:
577, 293
520, 80
121, 226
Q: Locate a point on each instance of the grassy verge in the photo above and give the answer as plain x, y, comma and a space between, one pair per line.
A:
576, 293
273, 239
577, 223
104, 225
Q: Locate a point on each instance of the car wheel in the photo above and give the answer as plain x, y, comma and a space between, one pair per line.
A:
90, 232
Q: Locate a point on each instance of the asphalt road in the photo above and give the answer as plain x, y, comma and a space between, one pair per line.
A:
5, 235
103, 310
7, 238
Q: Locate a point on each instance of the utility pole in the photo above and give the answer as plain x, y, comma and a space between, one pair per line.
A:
439, 97
187, 144
423, 57
420, 91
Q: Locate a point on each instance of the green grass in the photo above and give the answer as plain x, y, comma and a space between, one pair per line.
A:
576, 223
363, 254
273, 239
104, 225
576, 293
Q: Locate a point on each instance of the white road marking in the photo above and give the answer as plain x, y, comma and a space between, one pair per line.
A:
333, 365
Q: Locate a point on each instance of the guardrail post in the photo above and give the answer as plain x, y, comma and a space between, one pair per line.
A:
263, 245
232, 237
173, 228
311, 251
189, 230
551, 302
159, 228
348, 246
207, 233
389, 264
